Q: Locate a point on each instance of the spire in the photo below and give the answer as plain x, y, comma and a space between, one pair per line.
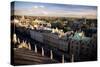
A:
14, 38
35, 49
29, 46
63, 59
18, 40
51, 54
42, 51
72, 58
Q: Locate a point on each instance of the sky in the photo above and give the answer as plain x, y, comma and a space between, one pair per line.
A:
51, 9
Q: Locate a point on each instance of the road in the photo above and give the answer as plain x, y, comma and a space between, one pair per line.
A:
23, 56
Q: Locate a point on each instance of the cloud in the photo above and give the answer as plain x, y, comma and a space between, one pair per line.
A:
35, 7
41, 6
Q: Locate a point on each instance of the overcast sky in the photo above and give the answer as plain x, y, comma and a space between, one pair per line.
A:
48, 9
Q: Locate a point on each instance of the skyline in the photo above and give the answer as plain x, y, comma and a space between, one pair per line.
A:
51, 9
